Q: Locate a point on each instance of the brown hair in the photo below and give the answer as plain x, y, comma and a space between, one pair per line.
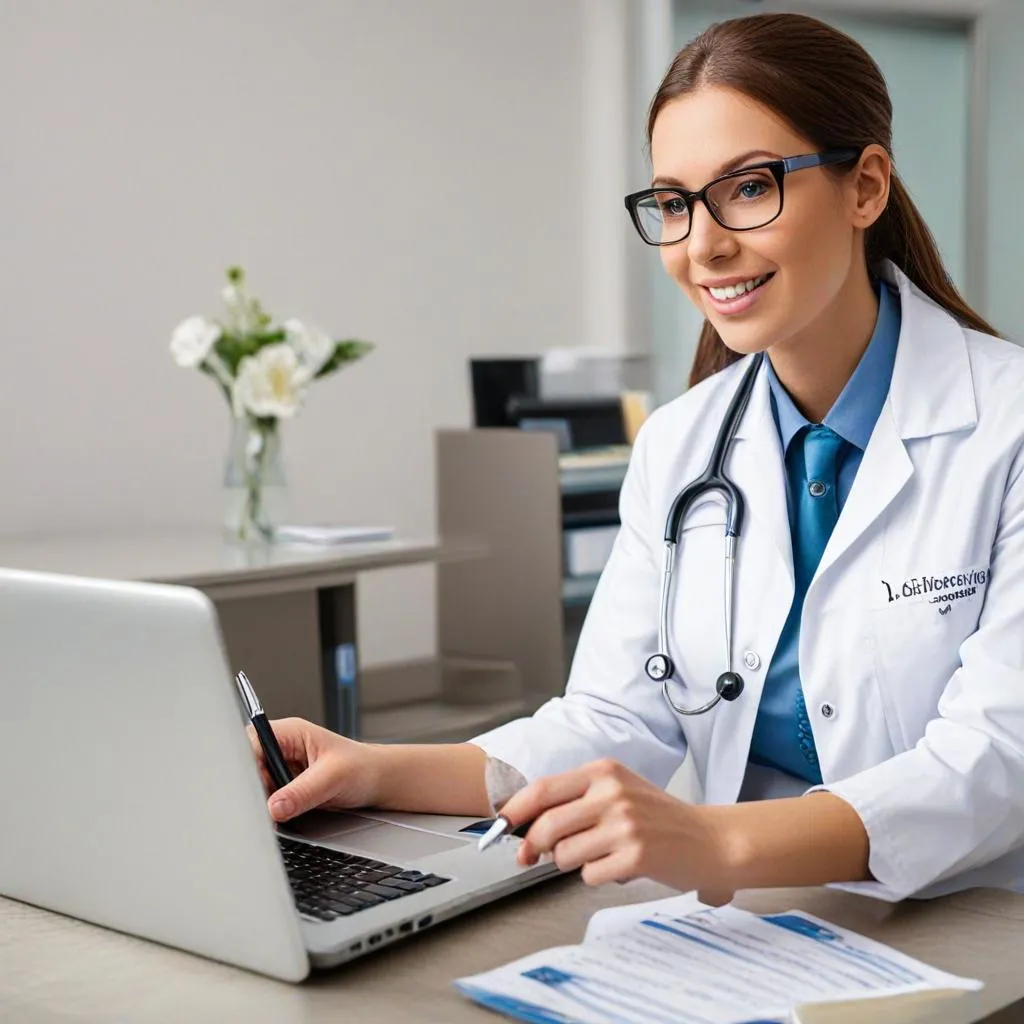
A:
830, 90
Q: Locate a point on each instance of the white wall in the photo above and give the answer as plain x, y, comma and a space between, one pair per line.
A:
396, 170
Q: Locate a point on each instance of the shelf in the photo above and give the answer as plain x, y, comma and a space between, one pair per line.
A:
436, 721
438, 700
578, 589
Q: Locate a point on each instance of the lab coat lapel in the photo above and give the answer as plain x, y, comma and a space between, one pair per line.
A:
932, 347
883, 473
756, 465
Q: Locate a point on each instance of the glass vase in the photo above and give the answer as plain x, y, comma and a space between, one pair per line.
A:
254, 480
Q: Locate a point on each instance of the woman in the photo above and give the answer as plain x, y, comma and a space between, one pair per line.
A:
878, 741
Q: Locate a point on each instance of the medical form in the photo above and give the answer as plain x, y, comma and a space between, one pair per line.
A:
676, 962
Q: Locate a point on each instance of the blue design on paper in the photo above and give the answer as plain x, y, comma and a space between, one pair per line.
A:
812, 930
513, 1007
600, 996
693, 938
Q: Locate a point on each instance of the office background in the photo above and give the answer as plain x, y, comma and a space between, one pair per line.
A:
442, 177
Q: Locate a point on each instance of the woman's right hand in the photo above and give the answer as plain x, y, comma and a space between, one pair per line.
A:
330, 771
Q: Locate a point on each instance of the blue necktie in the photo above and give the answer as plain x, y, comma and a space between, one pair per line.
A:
816, 511
817, 505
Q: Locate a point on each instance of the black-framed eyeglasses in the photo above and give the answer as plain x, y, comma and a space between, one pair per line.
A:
740, 200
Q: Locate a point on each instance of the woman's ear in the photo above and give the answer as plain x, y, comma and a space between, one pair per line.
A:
867, 186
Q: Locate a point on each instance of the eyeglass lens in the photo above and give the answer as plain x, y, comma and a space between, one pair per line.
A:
748, 199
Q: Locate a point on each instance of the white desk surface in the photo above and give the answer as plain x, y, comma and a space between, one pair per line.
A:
56, 969
200, 557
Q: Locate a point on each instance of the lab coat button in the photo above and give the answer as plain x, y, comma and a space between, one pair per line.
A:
752, 660
827, 711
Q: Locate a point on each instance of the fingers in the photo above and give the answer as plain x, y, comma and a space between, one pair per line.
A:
261, 761
314, 786
257, 748
615, 866
296, 738
560, 831
529, 803
715, 897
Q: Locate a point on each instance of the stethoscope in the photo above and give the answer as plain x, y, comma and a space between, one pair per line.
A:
659, 667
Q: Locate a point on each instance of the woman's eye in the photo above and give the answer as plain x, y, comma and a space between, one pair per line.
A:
753, 188
672, 207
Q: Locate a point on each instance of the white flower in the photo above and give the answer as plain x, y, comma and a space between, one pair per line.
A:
270, 383
314, 347
192, 340
241, 315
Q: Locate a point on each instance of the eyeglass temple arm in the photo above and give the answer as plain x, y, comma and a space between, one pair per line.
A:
830, 156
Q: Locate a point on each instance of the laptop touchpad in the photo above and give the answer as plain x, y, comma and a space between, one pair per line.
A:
395, 843
352, 832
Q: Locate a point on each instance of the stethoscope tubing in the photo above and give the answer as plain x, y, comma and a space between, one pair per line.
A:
713, 479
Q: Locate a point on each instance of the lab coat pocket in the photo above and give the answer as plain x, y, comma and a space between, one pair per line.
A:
916, 652
697, 614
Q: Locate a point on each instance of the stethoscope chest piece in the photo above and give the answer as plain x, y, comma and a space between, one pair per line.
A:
658, 667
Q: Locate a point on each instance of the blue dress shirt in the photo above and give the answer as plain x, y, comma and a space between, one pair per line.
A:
782, 734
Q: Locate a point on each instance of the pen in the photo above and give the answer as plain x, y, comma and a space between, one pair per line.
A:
498, 828
276, 764
501, 827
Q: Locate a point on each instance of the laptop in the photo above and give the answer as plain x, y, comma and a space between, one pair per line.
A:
131, 797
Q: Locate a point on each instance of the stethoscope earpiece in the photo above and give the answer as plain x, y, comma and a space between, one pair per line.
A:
729, 685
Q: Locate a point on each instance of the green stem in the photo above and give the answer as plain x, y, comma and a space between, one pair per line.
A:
249, 524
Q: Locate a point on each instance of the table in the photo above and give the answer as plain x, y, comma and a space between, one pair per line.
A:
53, 968
287, 612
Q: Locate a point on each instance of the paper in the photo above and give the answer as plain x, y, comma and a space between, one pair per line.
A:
332, 534
668, 963
618, 919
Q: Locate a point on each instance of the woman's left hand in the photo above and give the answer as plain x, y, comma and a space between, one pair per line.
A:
617, 826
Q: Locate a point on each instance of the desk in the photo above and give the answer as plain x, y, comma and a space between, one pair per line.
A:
287, 613
53, 968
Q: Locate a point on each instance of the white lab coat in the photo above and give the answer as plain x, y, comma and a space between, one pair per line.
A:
916, 702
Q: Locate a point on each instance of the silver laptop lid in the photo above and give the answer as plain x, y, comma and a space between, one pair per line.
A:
130, 797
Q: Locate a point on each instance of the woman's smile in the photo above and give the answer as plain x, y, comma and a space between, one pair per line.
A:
735, 295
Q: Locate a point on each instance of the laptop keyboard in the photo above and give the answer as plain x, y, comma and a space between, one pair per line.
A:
328, 884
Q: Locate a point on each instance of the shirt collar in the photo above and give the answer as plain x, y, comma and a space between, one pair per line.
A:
856, 410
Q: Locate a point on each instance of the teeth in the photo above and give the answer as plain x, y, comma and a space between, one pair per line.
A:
734, 290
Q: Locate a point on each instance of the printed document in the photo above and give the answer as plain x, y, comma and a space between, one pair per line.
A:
677, 962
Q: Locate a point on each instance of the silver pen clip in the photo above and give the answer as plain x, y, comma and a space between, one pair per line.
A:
249, 698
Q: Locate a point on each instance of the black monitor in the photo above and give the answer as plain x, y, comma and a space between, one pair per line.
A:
496, 382
580, 423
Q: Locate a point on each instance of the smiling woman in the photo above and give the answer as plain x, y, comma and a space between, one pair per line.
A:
870, 433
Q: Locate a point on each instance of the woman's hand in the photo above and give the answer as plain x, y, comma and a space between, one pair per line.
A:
617, 826
330, 771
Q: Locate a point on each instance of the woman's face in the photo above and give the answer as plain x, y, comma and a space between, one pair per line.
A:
801, 260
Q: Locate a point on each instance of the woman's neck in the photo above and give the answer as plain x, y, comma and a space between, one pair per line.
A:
815, 365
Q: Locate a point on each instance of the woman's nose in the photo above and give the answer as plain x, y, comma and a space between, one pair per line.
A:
708, 240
